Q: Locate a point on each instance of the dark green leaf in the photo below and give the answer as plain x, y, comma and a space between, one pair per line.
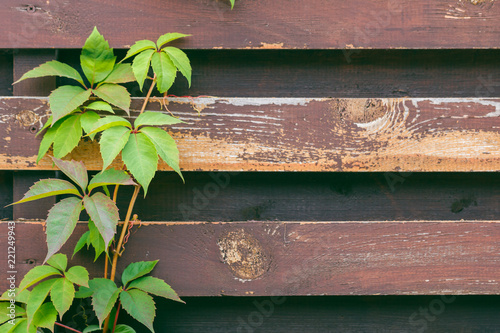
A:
165, 71
78, 275
166, 38
46, 316
104, 213
112, 142
46, 188
81, 243
84, 292
155, 118
156, 287
68, 136
108, 122
100, 106
61, 222
52, 68
139, 46
96, 240
88, 119
124, 329
180, 60
75, 171
140, 66
62, 294
114, 94
66, 99
122, 73
37, 274
141, 159
92, 328
37, 296
140, 306
111, 177
136, 270
59, 261
165, 146
104, 297
97, 58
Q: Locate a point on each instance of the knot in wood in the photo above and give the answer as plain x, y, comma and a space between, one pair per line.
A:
244, 254
27, 118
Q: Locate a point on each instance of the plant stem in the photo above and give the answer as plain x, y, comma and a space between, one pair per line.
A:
148, 95
67, 327
116, 316
115, 193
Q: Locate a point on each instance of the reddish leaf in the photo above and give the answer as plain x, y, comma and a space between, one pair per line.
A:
46, 188
74, 170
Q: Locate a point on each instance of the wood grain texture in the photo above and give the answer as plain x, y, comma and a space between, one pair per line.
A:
315, 24
297, 134
301, 258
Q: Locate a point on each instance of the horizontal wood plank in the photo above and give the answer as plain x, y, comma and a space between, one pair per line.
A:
315, 24
296, 134
300, 258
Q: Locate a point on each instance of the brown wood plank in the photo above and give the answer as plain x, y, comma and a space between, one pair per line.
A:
298, 134
301, 258
321, 73
260, 24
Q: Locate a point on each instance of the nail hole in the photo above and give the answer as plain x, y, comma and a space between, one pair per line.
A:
30, 261
33, 129
31, 9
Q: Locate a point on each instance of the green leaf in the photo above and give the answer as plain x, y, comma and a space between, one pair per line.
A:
124, 329
92, 328
136, 270
100, 106
104, 213
165, 71
68, 136
180, 60
62, 294
114, 94
5, 310
52, 68
84, 292
112, 142
45, 126
165, 146
21, 326
37, 274
37, 296
78, 275
75, 170
59, 261
108, 122
141, 158
66, 99
97, 58
140, 306
140, 66
122, 73
81, 243
156, 287
139, 46
154, 118
48, 139
166, 38
46, 316
21, 297
111, 177
46, 188
232, 3
104, 297
61, 222
96, 240
88, 119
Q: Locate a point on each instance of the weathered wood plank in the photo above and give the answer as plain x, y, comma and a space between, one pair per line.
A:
315, 24
302, 258
298, 134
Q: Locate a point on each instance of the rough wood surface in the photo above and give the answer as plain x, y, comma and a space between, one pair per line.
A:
301, 258
259, 24
297, 134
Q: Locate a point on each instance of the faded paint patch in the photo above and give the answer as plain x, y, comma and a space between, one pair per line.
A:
244, 255
271, 46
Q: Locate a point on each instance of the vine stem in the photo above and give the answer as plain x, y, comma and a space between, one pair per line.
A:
67, 327
116, 316
148, 95
120, 243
